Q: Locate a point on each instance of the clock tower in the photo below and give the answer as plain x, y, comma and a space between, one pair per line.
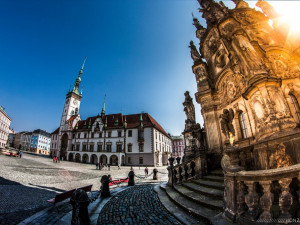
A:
70, 115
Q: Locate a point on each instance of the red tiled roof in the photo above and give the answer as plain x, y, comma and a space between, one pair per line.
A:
71, 120
133, 121
56, 131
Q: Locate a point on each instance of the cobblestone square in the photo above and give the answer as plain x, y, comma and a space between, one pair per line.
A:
27, 183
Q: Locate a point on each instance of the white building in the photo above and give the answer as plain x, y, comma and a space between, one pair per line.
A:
40, 142
5, 121
135, 139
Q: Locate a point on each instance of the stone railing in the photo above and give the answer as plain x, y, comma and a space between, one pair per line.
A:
194, 168
263, 196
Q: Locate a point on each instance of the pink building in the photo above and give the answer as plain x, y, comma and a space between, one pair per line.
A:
177, 146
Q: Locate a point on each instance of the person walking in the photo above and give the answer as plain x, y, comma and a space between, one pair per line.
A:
97, 166
108, 167
119, 166
56, 159
131, 169
21, 154
146, 171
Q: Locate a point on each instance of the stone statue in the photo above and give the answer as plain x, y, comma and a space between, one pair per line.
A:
189, 108
194, 53
212, 11
200, 29
226, 122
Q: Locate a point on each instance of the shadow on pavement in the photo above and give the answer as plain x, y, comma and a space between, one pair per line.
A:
19, 202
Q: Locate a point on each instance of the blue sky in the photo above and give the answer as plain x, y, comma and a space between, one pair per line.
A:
137, 54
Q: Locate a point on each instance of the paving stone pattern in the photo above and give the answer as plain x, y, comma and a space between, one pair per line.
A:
27, 183
136, 205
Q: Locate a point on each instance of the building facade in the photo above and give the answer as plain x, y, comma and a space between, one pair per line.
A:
114, 139
177, 146
40, 142
5, 121
11, 137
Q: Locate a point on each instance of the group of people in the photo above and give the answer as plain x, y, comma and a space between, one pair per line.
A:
56, 159
100, 166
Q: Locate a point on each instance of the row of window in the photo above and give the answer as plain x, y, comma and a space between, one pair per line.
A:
108, 147
100, 134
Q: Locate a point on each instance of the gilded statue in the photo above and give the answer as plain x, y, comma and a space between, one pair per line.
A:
226, 122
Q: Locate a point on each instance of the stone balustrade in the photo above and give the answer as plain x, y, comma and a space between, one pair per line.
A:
264, 196
187, 170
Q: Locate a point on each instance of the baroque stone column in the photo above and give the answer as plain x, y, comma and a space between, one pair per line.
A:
229, 196
240, 198
266, 200
251, 199
285, 199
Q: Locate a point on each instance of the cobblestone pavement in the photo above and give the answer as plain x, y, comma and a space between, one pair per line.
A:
27, 183
136, 205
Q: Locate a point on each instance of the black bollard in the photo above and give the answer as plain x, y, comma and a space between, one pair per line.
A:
171, 160
80, 202
131, 178
178, 160
155, 171
105, 186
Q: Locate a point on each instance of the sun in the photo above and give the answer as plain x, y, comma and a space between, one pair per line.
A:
289, 14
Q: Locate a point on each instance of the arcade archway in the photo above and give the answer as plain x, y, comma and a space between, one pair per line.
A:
113, 160
64, 145
85, 158
94, 159
103, 159
77, 157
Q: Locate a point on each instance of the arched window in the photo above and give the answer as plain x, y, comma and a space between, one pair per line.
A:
243, 125
296, 106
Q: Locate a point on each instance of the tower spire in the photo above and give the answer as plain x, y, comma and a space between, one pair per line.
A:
81, 70
78, 79
103, 107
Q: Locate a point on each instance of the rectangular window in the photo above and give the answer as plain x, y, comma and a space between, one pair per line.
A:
78, 135
84, 147
129, 160
77, 147
109, 134
100, 147
119, 147
141, 147
100, 134
73, 136
129, 147
130, 133
85, 135
92, 135
91, 148
119, 133
108, 147
141, 161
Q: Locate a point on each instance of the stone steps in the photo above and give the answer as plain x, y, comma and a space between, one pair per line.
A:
217, 173
190, 206
215, 193
214, 178
204, 200
209, 184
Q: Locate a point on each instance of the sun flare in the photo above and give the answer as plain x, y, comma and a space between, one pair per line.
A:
289, 14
